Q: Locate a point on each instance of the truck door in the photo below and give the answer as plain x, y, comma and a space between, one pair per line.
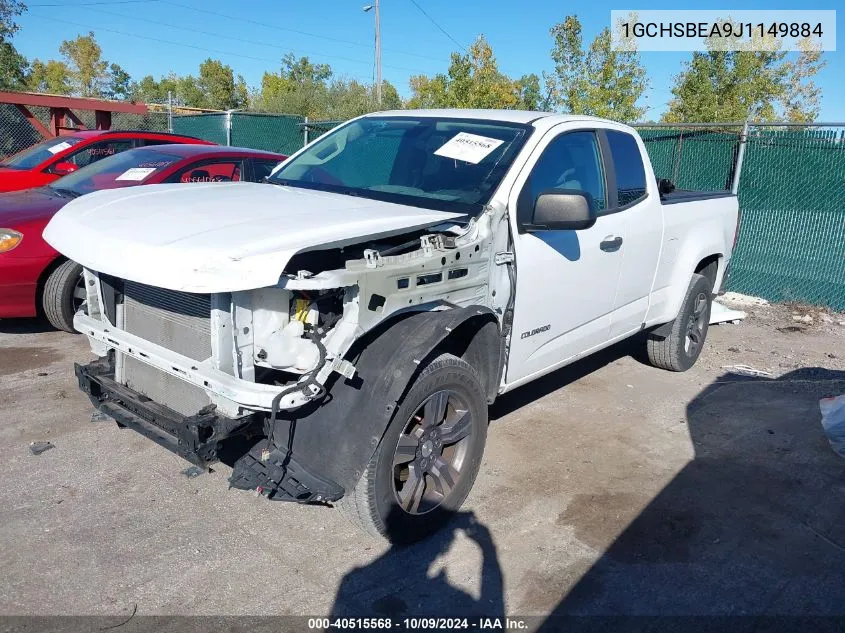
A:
642, 214
566, 280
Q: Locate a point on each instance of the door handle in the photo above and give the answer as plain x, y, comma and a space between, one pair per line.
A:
611, 243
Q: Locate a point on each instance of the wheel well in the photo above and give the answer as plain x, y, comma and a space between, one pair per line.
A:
709, 267
477, 341
42, 279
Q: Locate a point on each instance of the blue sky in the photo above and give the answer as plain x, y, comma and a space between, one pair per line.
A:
253, 36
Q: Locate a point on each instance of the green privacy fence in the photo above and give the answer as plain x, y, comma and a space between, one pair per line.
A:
792, 198
791, 190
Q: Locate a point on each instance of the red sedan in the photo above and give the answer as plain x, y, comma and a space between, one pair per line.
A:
51, 159
37, 280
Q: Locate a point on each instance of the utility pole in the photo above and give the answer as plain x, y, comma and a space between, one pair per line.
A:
377, 14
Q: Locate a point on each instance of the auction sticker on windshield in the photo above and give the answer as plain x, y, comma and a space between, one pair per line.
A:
136, 173
59, 147
470, 148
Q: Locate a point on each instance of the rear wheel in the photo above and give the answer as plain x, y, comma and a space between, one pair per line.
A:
64, 293
679, 350
427, 461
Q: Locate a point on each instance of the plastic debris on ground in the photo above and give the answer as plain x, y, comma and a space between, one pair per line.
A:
723, 314
99, 416
36, 448
193, 471
833, 422
746, 370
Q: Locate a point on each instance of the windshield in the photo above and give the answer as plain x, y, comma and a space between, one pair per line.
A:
437, 163
37, 154
125, 169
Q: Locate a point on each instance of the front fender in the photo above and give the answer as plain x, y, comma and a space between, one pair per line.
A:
338, 436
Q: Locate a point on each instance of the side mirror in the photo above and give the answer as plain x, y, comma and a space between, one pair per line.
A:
665, 186
562, 210
63, 168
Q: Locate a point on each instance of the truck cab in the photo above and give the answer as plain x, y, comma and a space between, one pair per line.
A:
354, 317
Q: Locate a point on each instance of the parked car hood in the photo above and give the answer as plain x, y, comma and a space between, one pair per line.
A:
218, 237
20, 207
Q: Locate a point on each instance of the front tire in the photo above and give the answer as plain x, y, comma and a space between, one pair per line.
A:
427, 460
679, 350
64, 292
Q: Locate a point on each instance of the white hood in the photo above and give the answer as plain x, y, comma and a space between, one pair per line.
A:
217, 237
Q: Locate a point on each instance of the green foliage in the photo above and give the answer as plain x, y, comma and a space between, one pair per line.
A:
9, 10
52, 77
474, 81
89, 72
739, 85
13, 68
307, 89
217, 87
598, 81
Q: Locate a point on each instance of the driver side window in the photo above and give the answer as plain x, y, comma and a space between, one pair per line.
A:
97, 151
571, 161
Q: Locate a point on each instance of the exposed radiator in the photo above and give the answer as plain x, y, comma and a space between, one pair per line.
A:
178, 321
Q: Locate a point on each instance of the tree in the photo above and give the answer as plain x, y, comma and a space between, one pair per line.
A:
472, 81
743, 84
600, 81
118, 85
89, 72
52, 77
308, 89
13, 68
9, 10
216, 82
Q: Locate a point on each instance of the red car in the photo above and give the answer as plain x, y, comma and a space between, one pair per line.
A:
50, 160
37, 280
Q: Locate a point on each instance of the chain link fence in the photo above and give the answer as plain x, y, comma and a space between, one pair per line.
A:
791, 183
18, 133
791, 187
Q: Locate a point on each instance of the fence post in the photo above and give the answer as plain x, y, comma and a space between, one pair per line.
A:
305, 133
679, 148
169, 111
740, 157
228, 127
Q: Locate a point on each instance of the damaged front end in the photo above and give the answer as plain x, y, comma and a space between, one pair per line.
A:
196, 372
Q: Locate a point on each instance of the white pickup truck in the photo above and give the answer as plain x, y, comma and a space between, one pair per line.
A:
352, 319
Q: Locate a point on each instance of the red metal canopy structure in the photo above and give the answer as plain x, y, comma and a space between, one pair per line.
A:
61, 107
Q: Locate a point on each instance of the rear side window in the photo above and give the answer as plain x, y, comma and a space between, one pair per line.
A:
628, 164
210, 171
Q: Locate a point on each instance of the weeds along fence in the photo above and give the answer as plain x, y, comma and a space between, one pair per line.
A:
791, 185
790, 180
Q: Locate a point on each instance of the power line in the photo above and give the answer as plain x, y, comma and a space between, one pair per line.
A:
91, 4
442, 30
290, 30
163, 41
247, 41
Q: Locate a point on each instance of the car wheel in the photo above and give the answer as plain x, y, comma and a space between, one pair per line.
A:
679, 350
427, 460
64, 293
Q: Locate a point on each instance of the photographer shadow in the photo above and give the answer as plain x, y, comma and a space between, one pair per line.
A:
398, 583
748, 536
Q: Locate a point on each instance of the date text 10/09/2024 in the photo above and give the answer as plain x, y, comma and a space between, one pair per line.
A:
418, 624
720, 29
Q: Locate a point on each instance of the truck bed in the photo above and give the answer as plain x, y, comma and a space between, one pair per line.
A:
689, 195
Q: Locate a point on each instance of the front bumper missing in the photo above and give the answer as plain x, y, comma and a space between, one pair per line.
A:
202, 374
198, 438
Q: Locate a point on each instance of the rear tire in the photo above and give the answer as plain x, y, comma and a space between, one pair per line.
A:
427, 460
63, 294
679, 350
